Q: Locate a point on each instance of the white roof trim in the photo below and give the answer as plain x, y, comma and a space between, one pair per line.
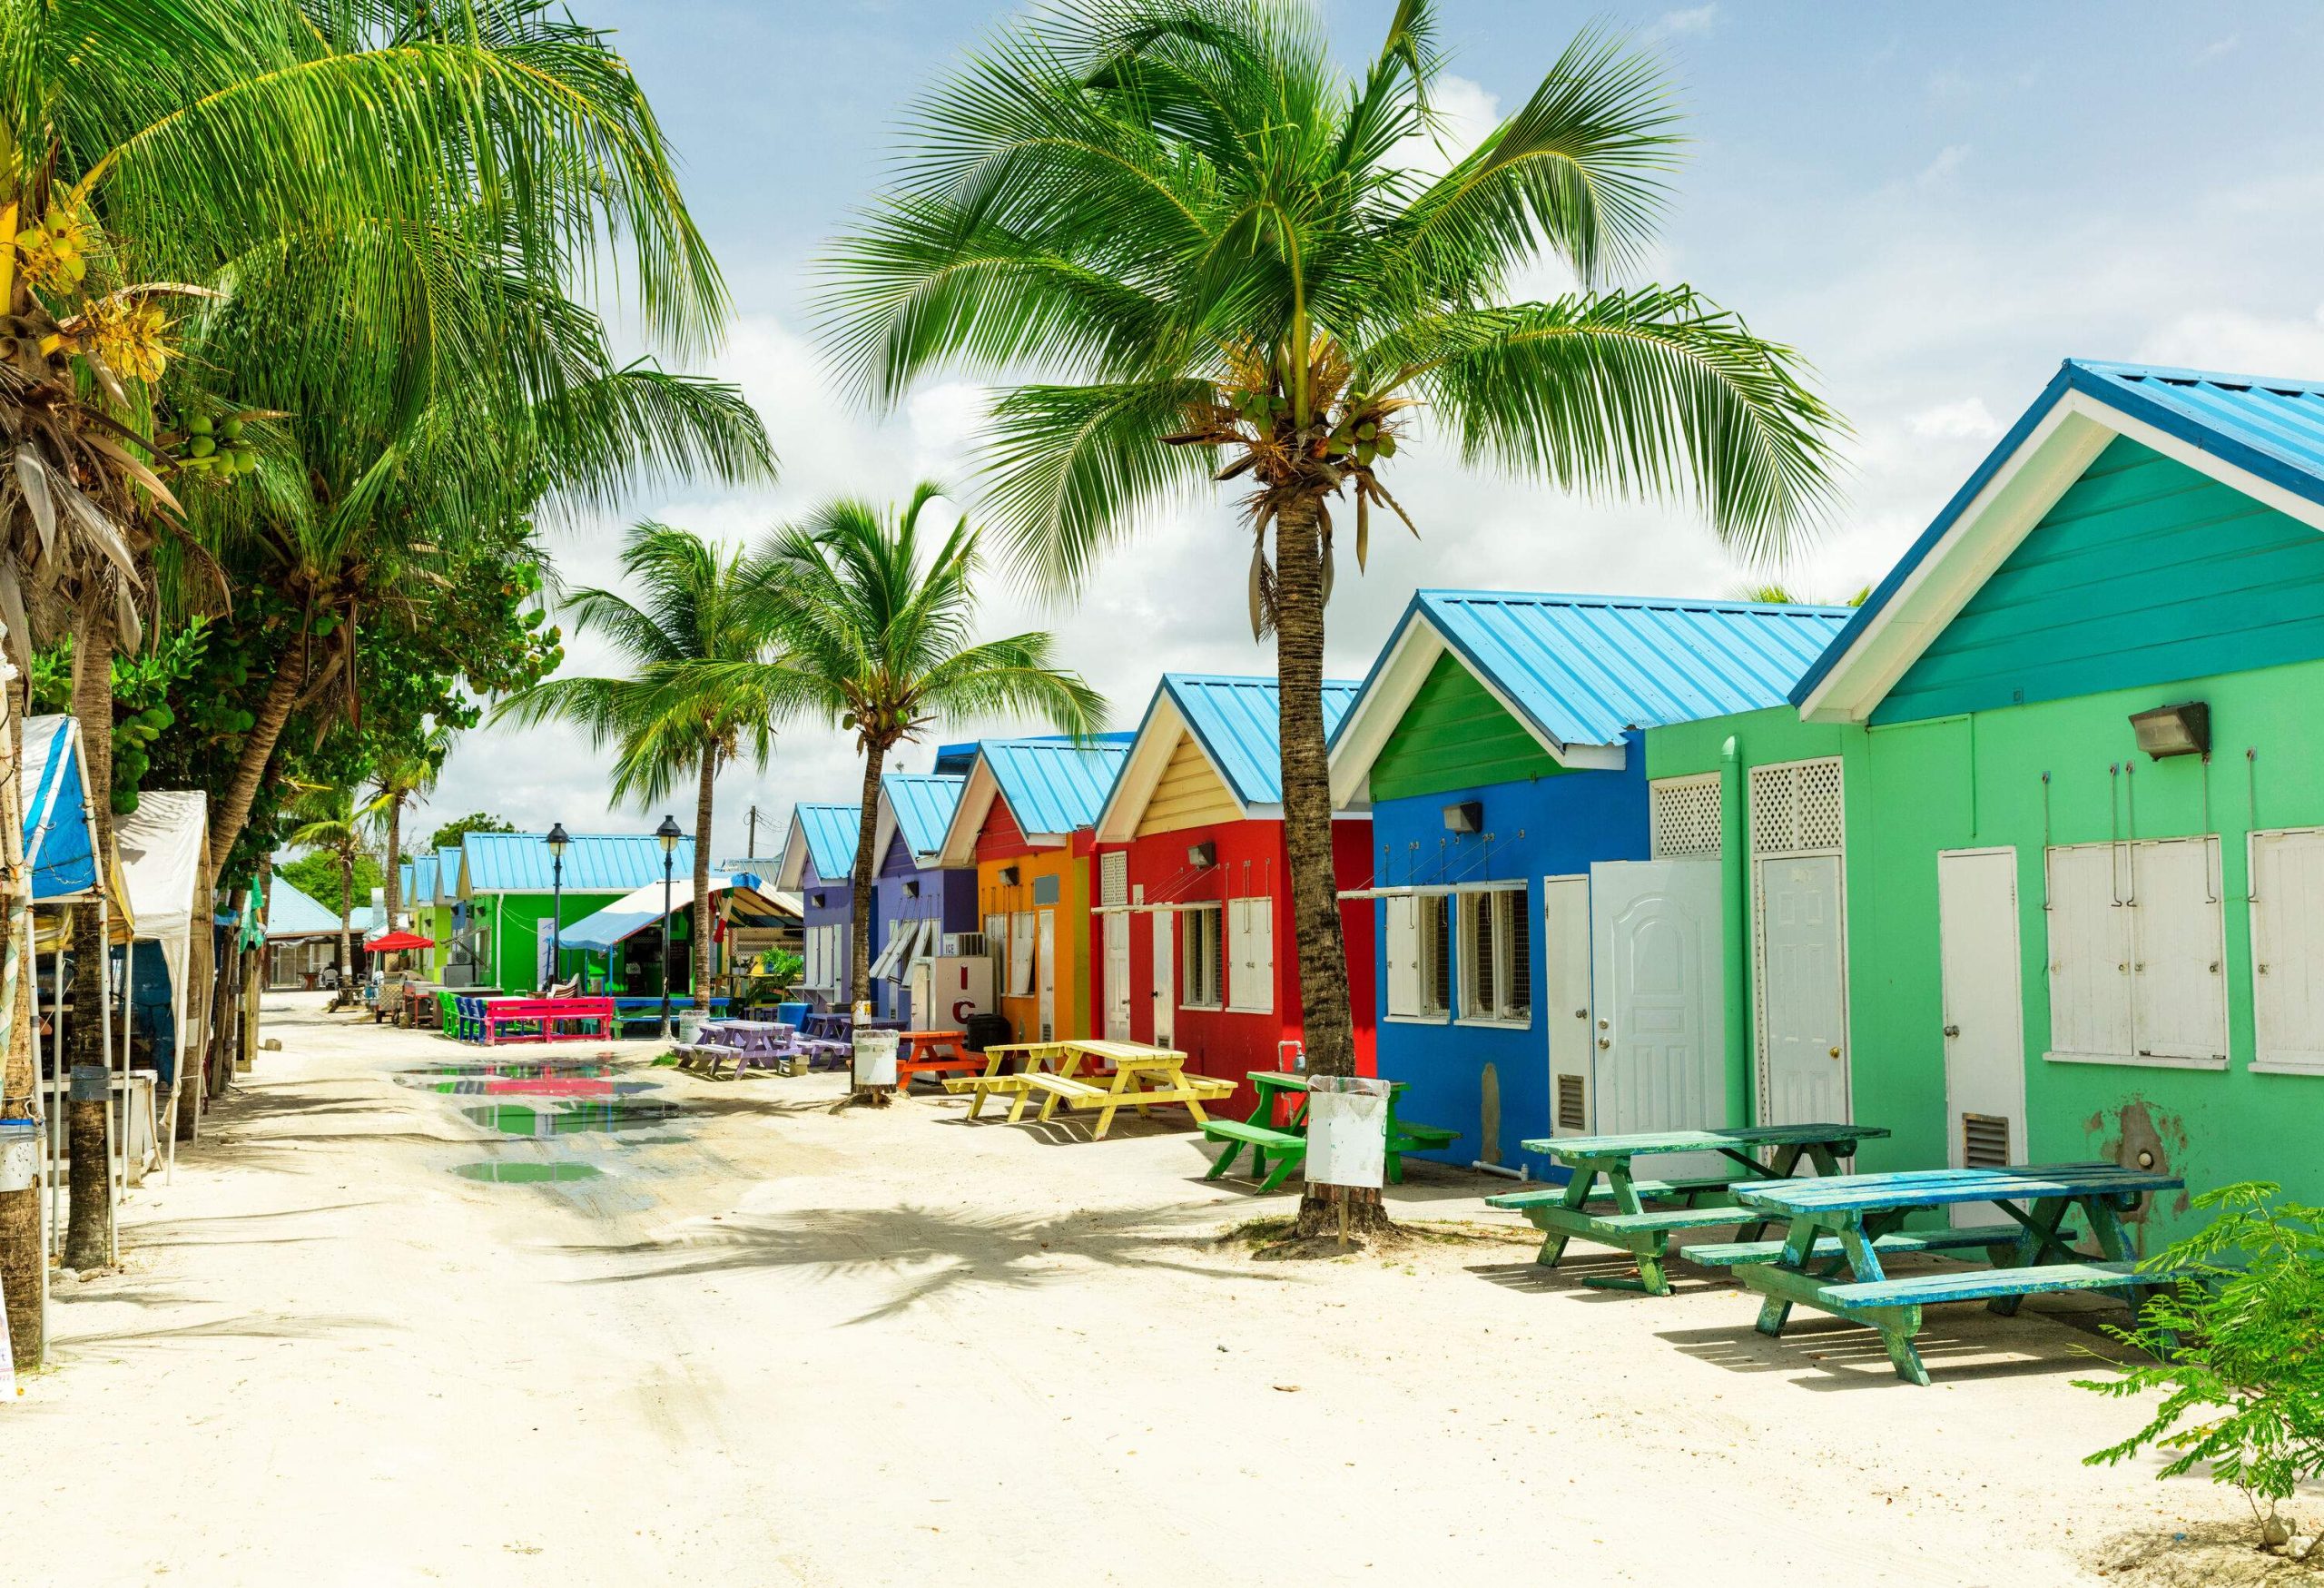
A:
792, 873
1149, 757
2054, 454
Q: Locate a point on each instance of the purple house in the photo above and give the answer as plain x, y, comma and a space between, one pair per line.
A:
818, 864
918, 902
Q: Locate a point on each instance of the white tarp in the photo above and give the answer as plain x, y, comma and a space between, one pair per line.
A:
161, 865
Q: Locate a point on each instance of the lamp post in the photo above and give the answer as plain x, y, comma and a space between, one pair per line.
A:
668, 835
557, 845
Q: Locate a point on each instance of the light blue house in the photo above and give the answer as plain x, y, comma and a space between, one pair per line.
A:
1519, 860
819, 865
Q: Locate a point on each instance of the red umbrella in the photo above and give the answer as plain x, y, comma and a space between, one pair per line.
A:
396, 942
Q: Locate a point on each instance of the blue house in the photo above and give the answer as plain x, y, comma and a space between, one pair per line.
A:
819, 865
1519, 857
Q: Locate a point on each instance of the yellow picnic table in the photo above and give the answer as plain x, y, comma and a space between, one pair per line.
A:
1140, 1078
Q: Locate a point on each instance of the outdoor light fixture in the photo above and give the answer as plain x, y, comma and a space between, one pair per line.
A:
2174, 730
1008, 876
668, 834
1202, 856
557, 843
1468, 816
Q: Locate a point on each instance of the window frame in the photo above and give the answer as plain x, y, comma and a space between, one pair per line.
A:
2136, 947
1505, 907
1198, 973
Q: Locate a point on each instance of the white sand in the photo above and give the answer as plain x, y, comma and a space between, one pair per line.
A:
774, 1345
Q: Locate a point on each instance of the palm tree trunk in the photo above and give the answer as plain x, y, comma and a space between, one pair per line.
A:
702, 911
249, 771
88, 1242
1325, 1027
346, 926
20, 1256
866, 865
392, 882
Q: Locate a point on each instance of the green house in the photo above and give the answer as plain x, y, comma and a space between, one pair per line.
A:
507, 883
2033, 868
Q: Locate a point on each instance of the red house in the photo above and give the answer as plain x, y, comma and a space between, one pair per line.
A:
1191, 937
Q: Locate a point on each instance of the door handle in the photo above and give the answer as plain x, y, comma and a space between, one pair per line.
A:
1605, 1041
1952, 1031
1835, 1052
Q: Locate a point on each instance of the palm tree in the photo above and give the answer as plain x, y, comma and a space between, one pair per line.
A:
693, 612
865, 638
329, 820
1219, 242
405, 772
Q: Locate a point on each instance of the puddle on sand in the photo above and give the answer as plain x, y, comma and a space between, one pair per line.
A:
527, 1174
576, 1077
570, 1117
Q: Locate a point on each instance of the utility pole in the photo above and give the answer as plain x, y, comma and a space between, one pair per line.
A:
751, 849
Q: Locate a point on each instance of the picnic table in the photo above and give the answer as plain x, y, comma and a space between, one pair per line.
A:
746, 1044
936, 1053
1138, 1077
544, 1020
630, 1011
1286, 1143
1839, 1228
1563, 1214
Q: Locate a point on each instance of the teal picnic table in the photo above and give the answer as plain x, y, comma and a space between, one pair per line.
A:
1286, 1143
1838, 1229
1562, 1212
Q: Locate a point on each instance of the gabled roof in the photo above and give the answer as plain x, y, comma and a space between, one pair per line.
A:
825, 835
595, 862
635, 911
1578, 672
920, 804
1052, 786
2263, 437
1237, 724
448, 873
291, 913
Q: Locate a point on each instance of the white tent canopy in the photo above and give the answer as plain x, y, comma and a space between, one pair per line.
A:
162, 864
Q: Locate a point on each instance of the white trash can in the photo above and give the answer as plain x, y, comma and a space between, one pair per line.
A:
690, 1023
19, 1154
876, 1058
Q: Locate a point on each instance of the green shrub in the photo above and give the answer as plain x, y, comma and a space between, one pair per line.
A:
2238, 1342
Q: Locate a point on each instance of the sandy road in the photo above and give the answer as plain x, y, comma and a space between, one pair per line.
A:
762, 1344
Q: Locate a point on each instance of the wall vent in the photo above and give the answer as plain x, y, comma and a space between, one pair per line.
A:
1984, 1141
1797, 807
1686, 813
1113, 877
1572, 1113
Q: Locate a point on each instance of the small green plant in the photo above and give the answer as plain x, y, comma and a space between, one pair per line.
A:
2238, 1342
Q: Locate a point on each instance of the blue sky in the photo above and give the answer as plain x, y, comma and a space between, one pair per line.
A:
1933, 203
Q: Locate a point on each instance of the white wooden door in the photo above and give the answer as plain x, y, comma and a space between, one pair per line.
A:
1803, 997
1046, 932
2288, 949
1660, 1000
1984, 1016
1165, 975
1565, 947
1118, 976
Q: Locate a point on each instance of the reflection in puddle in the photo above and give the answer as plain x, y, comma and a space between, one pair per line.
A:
527, 1174
568, 1078
569, 1117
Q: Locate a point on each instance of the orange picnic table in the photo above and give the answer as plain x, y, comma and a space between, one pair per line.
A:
936, 1053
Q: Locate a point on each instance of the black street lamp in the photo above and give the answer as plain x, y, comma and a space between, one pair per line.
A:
557, 842
668, 833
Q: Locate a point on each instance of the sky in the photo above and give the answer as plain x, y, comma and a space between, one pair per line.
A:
1934, 205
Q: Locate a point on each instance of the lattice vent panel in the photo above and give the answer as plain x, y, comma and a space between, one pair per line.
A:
1685, 813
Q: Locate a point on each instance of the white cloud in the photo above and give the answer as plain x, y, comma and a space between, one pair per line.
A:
1464, 112
2218, 47
2241, 343
1968, 418
1672, 24
1949, 161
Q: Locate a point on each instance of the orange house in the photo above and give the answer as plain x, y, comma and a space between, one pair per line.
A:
1024, 821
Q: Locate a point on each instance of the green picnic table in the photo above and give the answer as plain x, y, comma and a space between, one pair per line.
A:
1561, 1214
1848, 1221
1286, 1144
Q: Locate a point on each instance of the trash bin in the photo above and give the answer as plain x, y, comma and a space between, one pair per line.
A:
19, 1154
876, 1058
690, 1023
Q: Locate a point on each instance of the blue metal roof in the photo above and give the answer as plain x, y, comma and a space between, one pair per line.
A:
2271, 428
923, 803
1240, 723
291, 913
55, 790
601, 863
832, 832
1585, 669
954, 760
447, 872
1052, 785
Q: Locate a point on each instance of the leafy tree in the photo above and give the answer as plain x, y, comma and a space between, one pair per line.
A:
1219, 244
330, 821
449, 834
692, 607
316, 873
2238, 1353
400, 772
867, 634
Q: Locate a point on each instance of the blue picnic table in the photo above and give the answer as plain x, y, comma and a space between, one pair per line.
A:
1563, 1214
1838, 1228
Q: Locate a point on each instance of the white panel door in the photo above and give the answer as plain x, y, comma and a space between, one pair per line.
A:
1048, 961
2288, 949
2178, 966
1660, 998
1165, 975
1117, 976
1803, 999
1984, 1015
1565, 947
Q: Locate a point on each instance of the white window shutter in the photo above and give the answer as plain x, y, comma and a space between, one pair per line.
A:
1262, 954
2288, 949
2178, 972
2090, 952
1403, 955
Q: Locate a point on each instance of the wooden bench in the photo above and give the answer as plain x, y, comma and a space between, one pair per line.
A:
706, 1056
535, 1019
1410, 1137
1672, 1190
1287, 1148
1991, 1285
1990, 1238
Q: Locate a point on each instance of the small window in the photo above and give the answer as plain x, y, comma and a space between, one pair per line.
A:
1201, 957
1435, 913
1496, 956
